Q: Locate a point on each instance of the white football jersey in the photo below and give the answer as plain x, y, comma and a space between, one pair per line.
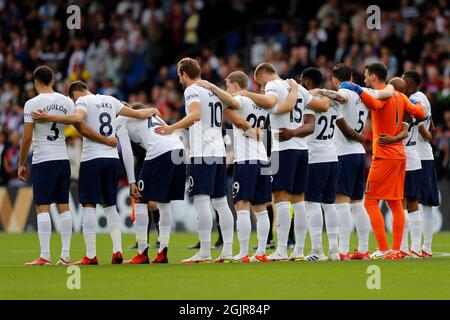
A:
410, 144
424, 148
289, 120
142, 132
205, 135
355, 114
101, 112
48, 137
246, 148
322, 147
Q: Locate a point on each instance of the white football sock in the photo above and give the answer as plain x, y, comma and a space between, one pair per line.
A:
362, 224
114, 223
226, 221
165, 225
89, 231
44, 231
204, 220
65, 225
283, 218
141, 225
300, 226
262, 231
428, 225
332, 225
415, 229
404, 245
345, 226
315, 222
243, 228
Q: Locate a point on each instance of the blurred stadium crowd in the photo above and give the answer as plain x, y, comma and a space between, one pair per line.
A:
129, 49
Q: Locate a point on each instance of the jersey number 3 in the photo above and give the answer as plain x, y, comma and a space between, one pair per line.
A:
56, 131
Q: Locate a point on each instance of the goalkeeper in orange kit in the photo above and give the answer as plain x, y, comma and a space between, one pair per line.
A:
387, 172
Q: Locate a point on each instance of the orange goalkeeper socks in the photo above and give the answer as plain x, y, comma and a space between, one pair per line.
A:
398, 222
377, 221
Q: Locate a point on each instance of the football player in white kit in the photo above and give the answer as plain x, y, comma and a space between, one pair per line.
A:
50, 171
429, 193
322, 172
207, 168
252, 187
162, 178
99, 169
289, 157
351, 165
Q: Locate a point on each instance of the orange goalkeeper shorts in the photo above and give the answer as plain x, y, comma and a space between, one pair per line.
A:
386, 179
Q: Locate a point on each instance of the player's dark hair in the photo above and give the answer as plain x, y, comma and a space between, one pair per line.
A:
238, 77
342, 72
43, 74
136, 105
314, 75
265, 67
377, 69
414, 76
190, 66
77, 85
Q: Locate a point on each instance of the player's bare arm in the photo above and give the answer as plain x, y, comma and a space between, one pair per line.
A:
24, 149
348, 132
138, 114
319, 104
331, 94
425, 133
414, 108
223, 96
242, 124
74, 118
186, 122
128, 161
306, 129
370, 102
290, 102
386, 92
93, 135
385, 139
266, 101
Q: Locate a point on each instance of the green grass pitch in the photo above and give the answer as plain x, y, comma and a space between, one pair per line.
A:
406, 279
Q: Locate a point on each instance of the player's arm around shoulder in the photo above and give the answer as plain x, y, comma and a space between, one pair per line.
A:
193, 115
268, 100
291, 100
414, 108
142, 114
223, 95
316, 103
337, 96
75, 118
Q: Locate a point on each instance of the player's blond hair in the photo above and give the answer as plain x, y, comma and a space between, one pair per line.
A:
238, 77
265, 67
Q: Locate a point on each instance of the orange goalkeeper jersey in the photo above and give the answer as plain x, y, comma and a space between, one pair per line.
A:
387, 118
